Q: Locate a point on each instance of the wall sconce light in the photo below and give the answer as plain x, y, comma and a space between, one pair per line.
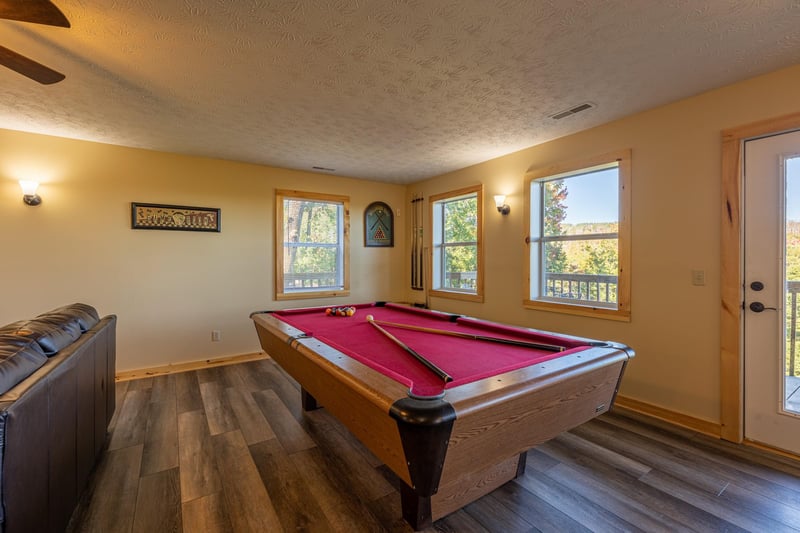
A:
29, 192
500, 202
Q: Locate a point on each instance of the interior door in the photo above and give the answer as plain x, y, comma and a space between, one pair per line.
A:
771, 286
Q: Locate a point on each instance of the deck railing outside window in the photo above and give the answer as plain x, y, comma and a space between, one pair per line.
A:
585, 287
461, 280
792, 289
309, 280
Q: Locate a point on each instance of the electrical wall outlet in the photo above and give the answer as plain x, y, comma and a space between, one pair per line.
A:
216, 335
698, 277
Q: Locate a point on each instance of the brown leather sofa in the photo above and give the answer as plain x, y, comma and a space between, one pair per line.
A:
56, 401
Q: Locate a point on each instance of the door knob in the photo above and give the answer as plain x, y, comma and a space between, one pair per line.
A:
758, 307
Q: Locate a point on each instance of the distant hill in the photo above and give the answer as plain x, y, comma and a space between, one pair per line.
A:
590, 256
589, 227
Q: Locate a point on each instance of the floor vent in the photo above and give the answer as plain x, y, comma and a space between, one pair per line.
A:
572, 111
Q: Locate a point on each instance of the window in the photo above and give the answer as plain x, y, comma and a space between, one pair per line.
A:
312, 244
457, 257
579, 237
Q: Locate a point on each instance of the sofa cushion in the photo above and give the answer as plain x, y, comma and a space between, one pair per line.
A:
85, 314
19, 358
52, 333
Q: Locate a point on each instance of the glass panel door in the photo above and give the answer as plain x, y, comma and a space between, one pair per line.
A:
791, 172
772, 277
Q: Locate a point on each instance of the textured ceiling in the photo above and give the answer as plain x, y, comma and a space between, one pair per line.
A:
391, 90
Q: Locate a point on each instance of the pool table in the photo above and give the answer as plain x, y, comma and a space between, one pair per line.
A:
450, 440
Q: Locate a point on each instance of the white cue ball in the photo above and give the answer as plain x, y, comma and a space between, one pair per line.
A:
370, 318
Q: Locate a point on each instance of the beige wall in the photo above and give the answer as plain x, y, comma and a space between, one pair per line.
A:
168, 288
675, 229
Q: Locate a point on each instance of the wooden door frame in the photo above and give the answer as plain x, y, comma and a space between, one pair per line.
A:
732, 270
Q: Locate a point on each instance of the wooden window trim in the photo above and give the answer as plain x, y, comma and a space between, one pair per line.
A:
280, 194
455, 295
623, 310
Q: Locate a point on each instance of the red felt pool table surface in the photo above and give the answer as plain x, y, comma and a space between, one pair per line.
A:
464, 359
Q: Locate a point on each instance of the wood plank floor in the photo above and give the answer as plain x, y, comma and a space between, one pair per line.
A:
230, 449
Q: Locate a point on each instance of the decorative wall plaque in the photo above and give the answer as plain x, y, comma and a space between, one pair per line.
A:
378, 225
174, 217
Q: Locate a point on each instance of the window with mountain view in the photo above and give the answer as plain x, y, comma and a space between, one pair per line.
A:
579, 237
312, 245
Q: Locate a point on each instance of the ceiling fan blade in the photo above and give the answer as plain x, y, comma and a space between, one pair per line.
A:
28, 67
37, 11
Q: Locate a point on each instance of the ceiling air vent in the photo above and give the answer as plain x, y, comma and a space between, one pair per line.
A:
572, 111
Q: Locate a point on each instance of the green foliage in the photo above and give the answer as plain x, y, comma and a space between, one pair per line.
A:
793, 250
555, 211
600, 256
586, 256
461, 233
461, 220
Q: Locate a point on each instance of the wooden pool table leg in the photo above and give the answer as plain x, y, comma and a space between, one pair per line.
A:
523, 458
416, 508
308, 402
418, 512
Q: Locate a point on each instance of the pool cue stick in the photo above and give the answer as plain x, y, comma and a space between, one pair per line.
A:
427, 275
414, 244
432, 367
427, 278
420, 242
526, 344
